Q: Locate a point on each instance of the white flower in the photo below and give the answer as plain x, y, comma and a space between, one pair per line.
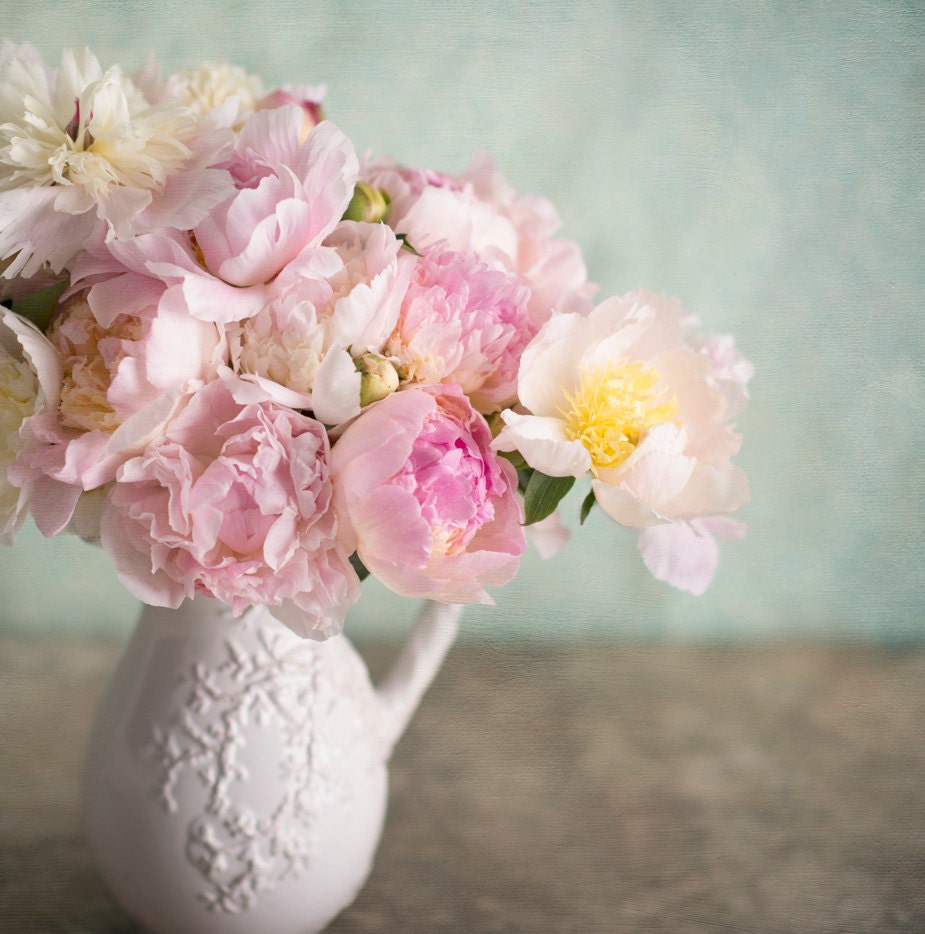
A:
621, 394
83, 153
30, 376
210, 85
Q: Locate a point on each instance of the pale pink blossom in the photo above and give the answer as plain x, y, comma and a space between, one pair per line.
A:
265, 238
554, 265
477, 211
463, 321
457, 217
83, 152
404, 184
233, 501
620, 394
119, 385
303, 346
432, 511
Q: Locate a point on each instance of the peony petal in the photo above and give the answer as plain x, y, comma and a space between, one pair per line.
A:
53, 505
40, 353
336, 389
625, 507
549, 536
680, 554
711, 491
549, 366
544, 444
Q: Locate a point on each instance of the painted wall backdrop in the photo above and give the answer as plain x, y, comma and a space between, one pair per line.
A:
763, 161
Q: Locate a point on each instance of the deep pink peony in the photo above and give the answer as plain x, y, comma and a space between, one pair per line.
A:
233, 501
433, 511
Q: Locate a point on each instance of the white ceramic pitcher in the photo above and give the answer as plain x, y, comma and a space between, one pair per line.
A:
236, 776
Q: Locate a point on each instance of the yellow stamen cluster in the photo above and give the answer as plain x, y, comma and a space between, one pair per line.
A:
613, 408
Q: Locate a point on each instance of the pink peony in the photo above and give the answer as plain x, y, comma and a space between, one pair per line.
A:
259, 242
555, 266
477, 211
433, 512
465, 322
291, 195
120, 382
233, 501
301, 347
308, 98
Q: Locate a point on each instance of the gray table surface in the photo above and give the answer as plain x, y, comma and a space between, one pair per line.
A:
589, 789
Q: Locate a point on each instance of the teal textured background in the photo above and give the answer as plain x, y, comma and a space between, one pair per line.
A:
763, 161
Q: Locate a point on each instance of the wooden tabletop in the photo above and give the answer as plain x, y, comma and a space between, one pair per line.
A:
570, 791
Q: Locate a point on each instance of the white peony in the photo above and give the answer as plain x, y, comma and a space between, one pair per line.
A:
30, 376
83, 154
211, 85
625, 395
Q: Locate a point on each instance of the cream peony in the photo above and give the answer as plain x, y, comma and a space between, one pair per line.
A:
211, 84
622, 394
83, 153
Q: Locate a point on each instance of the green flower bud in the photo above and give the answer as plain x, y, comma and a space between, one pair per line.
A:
379, 379
367, 204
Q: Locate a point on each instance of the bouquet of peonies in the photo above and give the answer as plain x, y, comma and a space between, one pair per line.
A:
255, 366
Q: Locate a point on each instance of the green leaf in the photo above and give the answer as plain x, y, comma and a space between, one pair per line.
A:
359, 567
405, 244
543, 495
586, 507
39, 306
523, 478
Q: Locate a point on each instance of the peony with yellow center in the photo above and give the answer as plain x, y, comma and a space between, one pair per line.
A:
620, 395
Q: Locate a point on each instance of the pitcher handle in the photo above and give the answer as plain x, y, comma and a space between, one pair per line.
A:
401, 690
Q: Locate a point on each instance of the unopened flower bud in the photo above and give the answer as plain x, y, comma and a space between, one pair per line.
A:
379, 379
367, 204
